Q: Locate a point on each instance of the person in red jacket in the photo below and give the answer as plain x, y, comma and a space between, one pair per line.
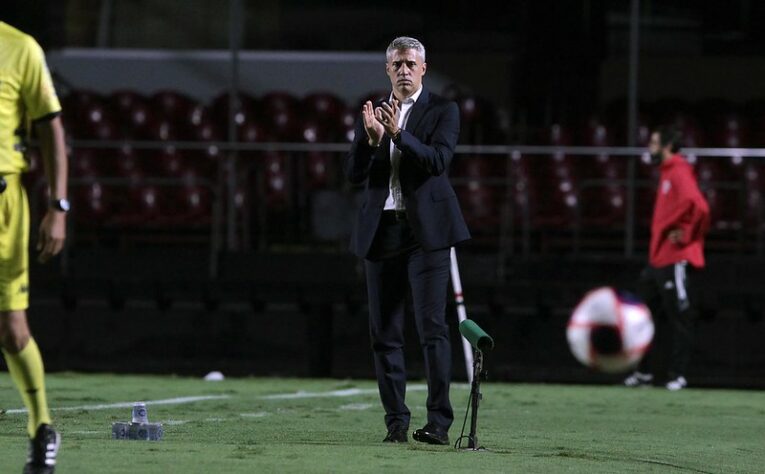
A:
680, 222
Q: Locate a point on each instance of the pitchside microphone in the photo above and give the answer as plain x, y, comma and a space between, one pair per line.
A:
476, 336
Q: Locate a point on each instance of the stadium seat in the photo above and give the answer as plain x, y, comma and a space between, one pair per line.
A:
373, 97
168, 162
322, 106
85, 162
131, 111
284, 125
174, 106
478, 121
90, 204
253, 132
319, 169
479, 182
161, 130
723, 194
189, 205
276, 179
317, 131
602, 192
75, 106
124, 162
481, 205
347, 124
97, 123
248, 108
148, 200
196, 116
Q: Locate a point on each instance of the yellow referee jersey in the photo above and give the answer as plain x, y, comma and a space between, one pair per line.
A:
26, 94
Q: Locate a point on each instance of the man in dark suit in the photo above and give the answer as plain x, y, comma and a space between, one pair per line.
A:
405, 228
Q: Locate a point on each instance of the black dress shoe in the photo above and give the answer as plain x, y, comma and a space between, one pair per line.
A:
431, 434
396, 435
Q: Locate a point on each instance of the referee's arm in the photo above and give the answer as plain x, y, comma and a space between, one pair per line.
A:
50, 132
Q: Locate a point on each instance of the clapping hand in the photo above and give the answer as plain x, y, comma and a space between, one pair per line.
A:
373, 128
387, 115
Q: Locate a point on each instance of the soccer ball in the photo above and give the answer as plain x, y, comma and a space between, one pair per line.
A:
610, 331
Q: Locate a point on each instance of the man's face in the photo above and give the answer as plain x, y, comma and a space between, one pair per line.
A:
405, 69
654, 148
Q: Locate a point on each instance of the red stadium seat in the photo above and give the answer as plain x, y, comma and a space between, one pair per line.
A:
189, 205
276, 179
315, 131
558, 135
322, 106
97, 124
91, 204
75, 106
173, 106
84, 162
478, 121
553, 183
319, 169
347, 124
131, 111
253, 132
247, 109
482, 204
148, 202
162, 130
373, 97
168, 162
207, 131
479, 182
284, 125
190, 121
124, 162
278, 101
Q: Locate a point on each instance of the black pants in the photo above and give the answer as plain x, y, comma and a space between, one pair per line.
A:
406, 267
668, 292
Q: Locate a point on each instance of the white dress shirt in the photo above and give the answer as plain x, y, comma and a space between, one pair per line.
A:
395, 200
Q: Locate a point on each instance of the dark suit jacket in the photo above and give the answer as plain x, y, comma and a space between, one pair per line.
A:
427, 145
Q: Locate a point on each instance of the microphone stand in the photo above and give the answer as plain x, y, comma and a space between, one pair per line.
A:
473, 404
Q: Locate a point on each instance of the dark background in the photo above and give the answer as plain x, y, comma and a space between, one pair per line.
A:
135, 292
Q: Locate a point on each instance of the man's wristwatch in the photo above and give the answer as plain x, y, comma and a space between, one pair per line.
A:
61, 205
396, 136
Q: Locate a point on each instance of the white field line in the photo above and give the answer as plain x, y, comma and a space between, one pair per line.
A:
260, 414
355, 407
109, 406
350, 392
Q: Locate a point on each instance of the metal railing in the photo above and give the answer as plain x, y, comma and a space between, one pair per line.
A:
231, 224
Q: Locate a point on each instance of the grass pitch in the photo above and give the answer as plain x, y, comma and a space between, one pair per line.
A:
298, 425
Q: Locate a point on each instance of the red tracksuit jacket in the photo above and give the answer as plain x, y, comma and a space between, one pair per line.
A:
679, 205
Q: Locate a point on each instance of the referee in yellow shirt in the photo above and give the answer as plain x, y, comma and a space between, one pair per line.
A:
28, 101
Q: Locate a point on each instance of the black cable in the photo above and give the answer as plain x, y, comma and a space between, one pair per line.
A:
458, 443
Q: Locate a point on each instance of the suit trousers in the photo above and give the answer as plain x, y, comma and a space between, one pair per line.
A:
396, 267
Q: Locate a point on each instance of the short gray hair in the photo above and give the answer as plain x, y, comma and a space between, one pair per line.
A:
402, 43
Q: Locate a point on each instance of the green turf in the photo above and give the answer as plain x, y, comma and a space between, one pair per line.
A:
527, 428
